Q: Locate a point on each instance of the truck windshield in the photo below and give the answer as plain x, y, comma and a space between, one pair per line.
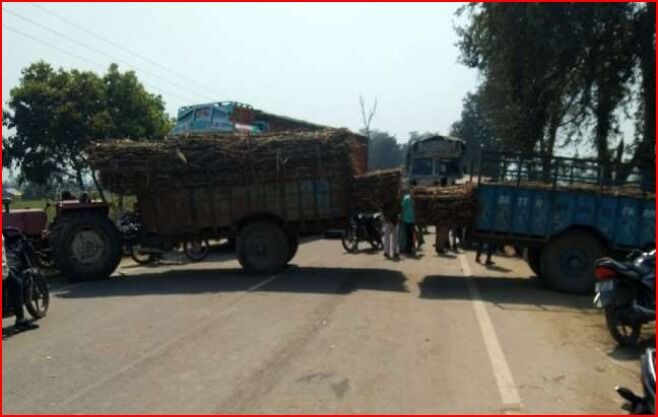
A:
422, 166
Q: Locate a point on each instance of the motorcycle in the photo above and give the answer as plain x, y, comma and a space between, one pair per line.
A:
626, 291
647, 403
145, 250
20, 255
363, 227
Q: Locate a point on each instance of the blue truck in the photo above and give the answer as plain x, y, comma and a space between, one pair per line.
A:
232, 117
566, 212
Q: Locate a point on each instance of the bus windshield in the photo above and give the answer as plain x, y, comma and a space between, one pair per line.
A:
422, 166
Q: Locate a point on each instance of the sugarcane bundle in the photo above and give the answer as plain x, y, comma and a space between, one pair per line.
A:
378, 191
451, 206
129, 167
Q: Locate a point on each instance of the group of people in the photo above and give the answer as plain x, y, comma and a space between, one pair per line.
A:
447, 238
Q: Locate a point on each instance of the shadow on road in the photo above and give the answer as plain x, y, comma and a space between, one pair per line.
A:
502, 291
293, 280
633, 353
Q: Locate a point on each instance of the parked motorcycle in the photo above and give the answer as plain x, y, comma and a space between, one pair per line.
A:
144, 251
20, 255
626, 291
363, 227
647, 403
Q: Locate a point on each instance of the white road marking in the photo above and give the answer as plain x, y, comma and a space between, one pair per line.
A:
161, 347
506, 387
262, 284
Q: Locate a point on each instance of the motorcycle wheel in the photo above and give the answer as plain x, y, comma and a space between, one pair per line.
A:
196, 250
140, 257
377, 244
350, 241
625, 334
37, 296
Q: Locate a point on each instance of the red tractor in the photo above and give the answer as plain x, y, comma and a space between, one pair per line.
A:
81, 242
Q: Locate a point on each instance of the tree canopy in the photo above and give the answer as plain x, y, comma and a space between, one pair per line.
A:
383, 151
474, 127
558, 73
54, 114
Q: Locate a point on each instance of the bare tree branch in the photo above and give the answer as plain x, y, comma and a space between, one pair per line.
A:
367, 118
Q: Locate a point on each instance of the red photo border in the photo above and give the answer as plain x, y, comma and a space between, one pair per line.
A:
270, 1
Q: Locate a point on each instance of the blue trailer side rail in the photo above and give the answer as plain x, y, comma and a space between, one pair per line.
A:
550, 204
534, 216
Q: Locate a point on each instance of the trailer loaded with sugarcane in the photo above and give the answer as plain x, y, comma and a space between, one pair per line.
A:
566, 212
263, 190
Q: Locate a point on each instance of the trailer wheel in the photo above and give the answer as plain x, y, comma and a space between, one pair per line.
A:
293, 242
197, 249
85, 246
567, 262
533, 258
263, 247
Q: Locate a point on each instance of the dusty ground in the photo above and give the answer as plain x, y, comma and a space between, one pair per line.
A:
336, 333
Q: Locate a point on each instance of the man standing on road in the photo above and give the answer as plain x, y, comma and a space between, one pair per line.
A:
408, 220
391, 234
457, 233
480, 248
442, 239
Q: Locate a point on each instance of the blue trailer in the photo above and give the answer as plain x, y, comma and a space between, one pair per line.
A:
566, 212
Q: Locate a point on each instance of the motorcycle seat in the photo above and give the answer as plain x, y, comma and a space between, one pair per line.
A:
625, 268
11, 234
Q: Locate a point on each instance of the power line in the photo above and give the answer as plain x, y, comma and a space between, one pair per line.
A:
81, 58
123, 48
68, 38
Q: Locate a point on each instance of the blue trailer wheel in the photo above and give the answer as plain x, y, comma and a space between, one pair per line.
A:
533, 257
567, 262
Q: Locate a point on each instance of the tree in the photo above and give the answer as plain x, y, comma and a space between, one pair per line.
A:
134, 113
550, 68
644, 47
367, 116
383, 151
56, 114
474, 127
607, 73
529, 55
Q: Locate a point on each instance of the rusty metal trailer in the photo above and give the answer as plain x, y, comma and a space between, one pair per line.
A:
266, 220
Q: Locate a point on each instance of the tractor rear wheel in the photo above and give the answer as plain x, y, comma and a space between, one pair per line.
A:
85, 246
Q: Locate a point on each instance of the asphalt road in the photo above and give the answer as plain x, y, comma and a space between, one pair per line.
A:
335, 333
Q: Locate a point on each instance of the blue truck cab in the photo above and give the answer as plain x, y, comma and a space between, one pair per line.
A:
566, 212
219, 117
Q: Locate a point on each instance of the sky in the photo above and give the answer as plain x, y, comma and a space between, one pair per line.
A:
308, 61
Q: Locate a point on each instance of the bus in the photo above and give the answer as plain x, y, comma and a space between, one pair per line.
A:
435, 160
